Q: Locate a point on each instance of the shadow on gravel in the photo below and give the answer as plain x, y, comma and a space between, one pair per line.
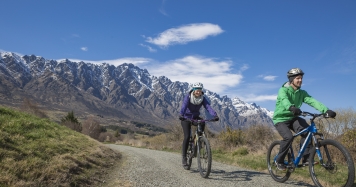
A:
246, 176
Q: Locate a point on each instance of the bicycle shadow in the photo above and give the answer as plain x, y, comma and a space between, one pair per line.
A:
236, 176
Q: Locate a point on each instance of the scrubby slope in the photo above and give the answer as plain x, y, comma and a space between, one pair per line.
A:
38, 152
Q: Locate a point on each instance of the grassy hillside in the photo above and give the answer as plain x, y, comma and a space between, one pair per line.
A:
38, 152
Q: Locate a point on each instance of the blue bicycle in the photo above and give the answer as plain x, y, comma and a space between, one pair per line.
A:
199, 147
330, 163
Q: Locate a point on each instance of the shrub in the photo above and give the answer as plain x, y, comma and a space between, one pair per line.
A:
259, 137
107, 137
176, 132
92, 128
232, 138
349, 140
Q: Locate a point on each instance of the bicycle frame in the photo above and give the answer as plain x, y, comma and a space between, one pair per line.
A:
330, 163
200, 148
312, 132
198, 133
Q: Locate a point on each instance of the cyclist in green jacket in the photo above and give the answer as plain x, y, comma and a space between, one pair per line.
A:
285, 118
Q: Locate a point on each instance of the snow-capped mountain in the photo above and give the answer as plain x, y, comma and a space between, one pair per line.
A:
248, 109
123, 92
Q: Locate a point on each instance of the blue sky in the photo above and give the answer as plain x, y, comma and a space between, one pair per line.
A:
235, 48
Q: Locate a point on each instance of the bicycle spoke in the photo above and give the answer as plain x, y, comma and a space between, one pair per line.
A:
337, 168
277, 175
204, 157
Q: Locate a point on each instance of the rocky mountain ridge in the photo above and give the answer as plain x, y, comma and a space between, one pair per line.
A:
124, 92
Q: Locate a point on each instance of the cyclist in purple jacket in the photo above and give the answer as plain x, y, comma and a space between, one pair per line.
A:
191, 105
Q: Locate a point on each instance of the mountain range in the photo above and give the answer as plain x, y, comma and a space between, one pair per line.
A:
125, 92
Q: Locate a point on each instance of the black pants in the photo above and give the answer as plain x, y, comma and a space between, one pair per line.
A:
186, 125
284, 129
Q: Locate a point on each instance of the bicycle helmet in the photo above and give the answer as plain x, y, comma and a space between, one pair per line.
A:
294, 72
197, 85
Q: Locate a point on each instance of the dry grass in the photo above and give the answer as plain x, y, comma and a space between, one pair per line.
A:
248, 147
38, 152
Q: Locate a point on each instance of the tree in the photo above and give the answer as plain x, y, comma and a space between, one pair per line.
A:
71, 122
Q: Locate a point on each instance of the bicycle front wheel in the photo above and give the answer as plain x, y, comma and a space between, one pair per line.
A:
190, 155
337, 168
277, 175
204, 157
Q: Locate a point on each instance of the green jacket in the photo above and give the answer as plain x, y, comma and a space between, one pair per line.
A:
287, 97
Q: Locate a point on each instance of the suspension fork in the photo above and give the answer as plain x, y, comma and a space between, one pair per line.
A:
198, 142
317, 148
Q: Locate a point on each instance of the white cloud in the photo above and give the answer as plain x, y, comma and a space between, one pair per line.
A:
185, 34
258, 98
84, 48
150, 49
116, 62
244, 67
162, 9
269, 78
216, 75
254, 92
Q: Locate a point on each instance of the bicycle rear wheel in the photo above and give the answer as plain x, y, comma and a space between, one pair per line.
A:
338, 167
204, 157
277, 175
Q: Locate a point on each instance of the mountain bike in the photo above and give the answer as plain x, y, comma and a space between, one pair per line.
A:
199, 147
330, 163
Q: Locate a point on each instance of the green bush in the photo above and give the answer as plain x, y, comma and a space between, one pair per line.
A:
231, 137
240, 151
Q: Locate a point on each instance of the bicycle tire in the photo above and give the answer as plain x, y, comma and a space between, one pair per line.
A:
339, 171
277, 175
204, 157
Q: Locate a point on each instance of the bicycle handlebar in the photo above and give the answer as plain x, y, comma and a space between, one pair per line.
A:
196, 121
304, 113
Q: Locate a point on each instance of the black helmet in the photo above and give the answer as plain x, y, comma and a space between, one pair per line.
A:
294, 72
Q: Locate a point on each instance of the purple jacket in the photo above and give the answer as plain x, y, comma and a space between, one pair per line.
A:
190, 111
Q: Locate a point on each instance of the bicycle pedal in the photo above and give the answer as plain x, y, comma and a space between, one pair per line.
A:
290, 168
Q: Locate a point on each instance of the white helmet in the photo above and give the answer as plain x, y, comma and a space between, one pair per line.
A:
197, 85
294, 72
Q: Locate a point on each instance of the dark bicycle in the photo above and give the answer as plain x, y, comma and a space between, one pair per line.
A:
330, 164
199, 147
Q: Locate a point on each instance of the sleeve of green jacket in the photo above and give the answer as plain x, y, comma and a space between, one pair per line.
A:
314, 103
284, 98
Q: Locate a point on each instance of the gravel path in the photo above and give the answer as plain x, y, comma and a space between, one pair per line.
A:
145, 167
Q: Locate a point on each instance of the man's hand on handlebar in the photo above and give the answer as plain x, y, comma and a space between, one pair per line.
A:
330, 114
296, 111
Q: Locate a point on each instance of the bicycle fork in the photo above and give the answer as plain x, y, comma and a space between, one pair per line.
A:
329, 165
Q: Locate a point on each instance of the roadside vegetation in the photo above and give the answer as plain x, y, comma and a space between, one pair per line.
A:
248, 147
36, 151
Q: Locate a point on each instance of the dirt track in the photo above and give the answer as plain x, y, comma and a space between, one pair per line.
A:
144, 167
